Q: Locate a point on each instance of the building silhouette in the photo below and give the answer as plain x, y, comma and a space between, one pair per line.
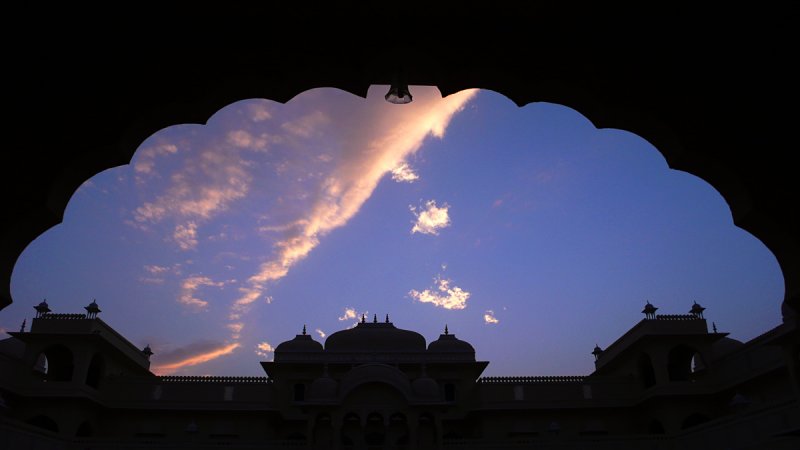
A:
72, 382
712, 90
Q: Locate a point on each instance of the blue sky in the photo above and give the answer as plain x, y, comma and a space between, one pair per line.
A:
527, 231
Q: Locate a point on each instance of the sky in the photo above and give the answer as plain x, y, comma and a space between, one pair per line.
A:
527, 231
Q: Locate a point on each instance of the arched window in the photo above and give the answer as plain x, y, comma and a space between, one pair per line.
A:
56, 362
449, 392
679, 362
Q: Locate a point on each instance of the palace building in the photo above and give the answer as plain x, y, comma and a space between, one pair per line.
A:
72, 382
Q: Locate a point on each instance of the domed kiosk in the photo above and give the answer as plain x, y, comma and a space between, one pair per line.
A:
375, 337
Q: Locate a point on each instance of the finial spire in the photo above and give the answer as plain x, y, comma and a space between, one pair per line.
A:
304, 329
22, 328
387, 318
375, 318
714, 326
363, 318
445, 329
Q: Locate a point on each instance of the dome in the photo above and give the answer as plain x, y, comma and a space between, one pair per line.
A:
300, 343
448, 343
375, 337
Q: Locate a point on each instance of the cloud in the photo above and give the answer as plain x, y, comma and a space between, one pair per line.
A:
321, 333
489, 318
382, 137
404, 173
191, 355
236, 329
206, 185
146, 158
431, 219
186, 235
190, 285
259, 112
244, 139
349, 313
264, 350
155, 269
443, 295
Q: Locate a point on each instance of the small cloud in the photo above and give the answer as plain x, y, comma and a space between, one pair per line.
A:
243, 139
489, 318
265, 350
259, 113
307, 125
431, 219
186, 235
443, 295
404, 174
155, 269
497, 203
349, 313
191, 285
320, 333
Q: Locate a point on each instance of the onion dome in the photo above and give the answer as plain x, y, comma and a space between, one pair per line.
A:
449, 344
92, 309
597, 352
301, 343
324, 387
375, 337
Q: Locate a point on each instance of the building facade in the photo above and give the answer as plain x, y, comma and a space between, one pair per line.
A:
72, 382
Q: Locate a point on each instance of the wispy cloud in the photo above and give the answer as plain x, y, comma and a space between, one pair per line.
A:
404, 174
321, 333
189, 287
264, 350
259, 112
442, 295
431, 218
191, 355
236, 330
244, 139
489, 318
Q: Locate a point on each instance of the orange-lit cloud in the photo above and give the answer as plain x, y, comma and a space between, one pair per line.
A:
321, 333
443, 295
191, 355
349, 313
431, 219
489, 318
264, 349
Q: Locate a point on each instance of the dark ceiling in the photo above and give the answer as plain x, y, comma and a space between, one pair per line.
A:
714, 90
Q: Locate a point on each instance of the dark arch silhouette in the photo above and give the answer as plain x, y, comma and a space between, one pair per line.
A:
59, 363
44, 422
655, 427
706, 115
